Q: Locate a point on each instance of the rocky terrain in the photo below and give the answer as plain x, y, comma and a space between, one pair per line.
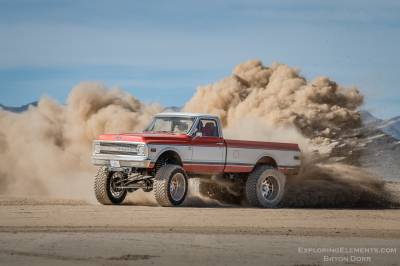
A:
375, 146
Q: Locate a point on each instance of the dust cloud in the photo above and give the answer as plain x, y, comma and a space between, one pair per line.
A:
277, 104
46, 150
320, 110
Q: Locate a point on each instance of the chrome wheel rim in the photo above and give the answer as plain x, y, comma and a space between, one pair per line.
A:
269, 188
115, 191
177, 186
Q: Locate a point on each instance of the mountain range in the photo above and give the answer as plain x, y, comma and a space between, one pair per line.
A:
390, 126
18, 109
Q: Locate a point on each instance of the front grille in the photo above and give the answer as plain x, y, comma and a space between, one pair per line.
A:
118, 152
118, 148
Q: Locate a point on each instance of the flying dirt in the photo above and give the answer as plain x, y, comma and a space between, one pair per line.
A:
46, 150
279, 96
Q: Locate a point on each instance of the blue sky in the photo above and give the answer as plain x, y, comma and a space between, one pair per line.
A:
160, 51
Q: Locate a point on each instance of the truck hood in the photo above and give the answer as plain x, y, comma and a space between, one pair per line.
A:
147, 137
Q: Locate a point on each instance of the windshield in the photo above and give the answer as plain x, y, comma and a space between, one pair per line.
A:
180, 125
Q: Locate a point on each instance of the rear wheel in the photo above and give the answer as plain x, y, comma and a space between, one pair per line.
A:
106, 187
170, 185
265, 187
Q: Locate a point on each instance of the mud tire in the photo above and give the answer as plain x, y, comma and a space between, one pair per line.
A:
162, 183
253, 191
102, 188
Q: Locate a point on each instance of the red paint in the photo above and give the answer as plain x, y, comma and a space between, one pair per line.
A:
261, 145
230, 168
165, 138
238, 168
203, 168
216, 168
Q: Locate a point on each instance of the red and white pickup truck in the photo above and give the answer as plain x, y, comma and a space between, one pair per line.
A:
178, 146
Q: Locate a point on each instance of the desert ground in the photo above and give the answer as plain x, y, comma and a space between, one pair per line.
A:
44, 231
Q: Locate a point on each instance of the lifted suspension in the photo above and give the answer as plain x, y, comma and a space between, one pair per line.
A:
132, 179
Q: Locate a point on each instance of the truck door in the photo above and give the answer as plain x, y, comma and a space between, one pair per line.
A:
208, 148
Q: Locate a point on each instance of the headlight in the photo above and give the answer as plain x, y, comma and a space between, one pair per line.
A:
142, 150
96, 147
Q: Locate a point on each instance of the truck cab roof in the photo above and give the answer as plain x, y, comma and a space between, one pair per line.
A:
187, 114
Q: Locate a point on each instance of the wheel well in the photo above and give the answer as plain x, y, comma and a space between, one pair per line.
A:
267, 160
170, 157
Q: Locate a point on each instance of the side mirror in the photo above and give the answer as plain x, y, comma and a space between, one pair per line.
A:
198, 134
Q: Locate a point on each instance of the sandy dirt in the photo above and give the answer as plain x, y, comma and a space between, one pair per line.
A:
42, 231
32, 215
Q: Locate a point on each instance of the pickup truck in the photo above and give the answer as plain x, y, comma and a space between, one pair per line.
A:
177, 146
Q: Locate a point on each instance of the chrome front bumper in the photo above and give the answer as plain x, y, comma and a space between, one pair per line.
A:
123, 160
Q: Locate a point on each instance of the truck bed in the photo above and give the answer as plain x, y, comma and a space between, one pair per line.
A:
242, 156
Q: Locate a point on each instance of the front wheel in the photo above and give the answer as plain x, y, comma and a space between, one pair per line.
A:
107, 187
265, 187
170, 185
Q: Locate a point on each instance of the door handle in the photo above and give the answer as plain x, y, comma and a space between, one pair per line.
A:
220, 143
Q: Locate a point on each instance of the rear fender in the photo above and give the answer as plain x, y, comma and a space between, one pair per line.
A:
267, 159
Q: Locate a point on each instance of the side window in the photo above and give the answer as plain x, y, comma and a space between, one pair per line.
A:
208, 128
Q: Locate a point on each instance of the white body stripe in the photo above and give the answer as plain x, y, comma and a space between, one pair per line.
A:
251, 156
234, 155
209, 154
